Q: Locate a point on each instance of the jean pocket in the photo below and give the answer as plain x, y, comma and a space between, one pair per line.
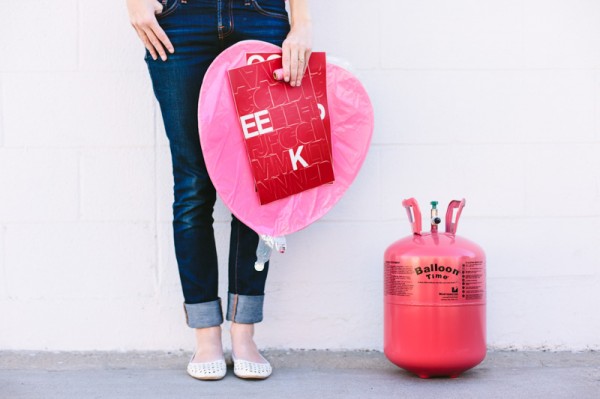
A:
271, 8
169, 7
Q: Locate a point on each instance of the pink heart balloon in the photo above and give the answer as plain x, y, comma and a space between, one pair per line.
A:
221, 137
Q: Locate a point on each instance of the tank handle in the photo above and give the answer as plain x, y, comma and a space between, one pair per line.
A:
450, 224
414, 214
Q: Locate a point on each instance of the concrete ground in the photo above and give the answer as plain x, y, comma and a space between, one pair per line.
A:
297, 374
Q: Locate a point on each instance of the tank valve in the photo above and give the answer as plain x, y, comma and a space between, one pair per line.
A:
435, 219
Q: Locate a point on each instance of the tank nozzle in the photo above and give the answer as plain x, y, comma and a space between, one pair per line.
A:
435, 219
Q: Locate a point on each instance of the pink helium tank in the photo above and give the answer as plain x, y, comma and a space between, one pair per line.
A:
434, 294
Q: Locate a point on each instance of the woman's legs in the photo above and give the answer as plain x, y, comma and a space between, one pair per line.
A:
199, 31
246, 285
246, 291
176, 84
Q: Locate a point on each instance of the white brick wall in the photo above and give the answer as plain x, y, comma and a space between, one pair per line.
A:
118, 184
106, 41
38, 185
78, 109
80, 261
1, 114
3, 285
39, 36
496, 101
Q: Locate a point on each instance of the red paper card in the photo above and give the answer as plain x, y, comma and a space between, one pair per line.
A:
317, 68
287, 143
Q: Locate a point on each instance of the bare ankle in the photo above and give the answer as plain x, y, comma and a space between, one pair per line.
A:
242, 329
208, 332
208, 344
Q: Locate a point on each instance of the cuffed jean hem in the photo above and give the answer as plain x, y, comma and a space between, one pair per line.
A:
245, 309
205, 314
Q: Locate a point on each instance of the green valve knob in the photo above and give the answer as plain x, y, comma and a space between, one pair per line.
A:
434, 204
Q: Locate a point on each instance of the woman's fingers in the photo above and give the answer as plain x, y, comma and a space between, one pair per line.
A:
298, 64
143, 19
296, 52
156, 43
285, 55
294, 61
146, 42
155, 39
302, 65
162, 36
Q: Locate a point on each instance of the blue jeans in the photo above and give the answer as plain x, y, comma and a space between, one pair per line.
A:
199, 31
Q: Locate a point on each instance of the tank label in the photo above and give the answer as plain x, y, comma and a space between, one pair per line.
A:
429, 282
431, 271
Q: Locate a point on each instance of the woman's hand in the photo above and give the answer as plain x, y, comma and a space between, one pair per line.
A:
142, 15
298, 44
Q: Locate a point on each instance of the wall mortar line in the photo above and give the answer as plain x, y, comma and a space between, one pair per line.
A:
157, 272
3, 272
2, 132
